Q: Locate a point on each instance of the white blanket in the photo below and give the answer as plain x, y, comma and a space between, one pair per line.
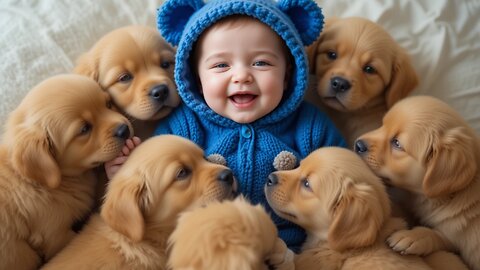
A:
43, 38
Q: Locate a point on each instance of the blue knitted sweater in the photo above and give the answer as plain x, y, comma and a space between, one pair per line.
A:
249, 149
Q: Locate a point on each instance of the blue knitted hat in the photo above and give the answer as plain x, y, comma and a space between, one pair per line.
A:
297, 22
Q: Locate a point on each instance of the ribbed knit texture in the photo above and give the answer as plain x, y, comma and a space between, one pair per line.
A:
249, 149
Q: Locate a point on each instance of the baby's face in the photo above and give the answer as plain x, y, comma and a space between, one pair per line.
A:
242, 70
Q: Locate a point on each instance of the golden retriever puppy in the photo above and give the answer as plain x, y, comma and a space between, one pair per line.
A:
134, 64
62, 129
344, 209
425, 147
162, 177
228, 235
360, 71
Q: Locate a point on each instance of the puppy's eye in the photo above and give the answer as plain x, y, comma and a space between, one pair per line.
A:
306, 184
396, 144
183, 173
166, 64
125, 77
369, 69
86, 128
332, 55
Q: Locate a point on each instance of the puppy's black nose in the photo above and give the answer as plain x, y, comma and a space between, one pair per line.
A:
272, 179
159, 93
361, 147
226, 176
339, 84
122, 132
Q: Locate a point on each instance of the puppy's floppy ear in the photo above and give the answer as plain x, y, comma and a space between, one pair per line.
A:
312, 56
125, 203
357, 217
404, 78
87, 64
451, 165
31, 154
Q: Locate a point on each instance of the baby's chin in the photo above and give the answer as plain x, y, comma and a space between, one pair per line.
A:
244, 118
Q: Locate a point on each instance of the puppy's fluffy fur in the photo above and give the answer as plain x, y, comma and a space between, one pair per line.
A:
344, 209
425, 147
60, 131
360, 71
134, 64
228, 235
164, 176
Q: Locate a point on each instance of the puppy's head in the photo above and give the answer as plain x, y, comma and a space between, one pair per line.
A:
423, 146
64, 126
334, 196
163, 176
226, 235
135, 66
358, 65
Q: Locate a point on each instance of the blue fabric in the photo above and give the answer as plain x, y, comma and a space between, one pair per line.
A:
249, 149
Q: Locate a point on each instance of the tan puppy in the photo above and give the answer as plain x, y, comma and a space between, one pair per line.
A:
164, 176
228, 235
134, 65
62, 129
344, 209
424, 146
360, 71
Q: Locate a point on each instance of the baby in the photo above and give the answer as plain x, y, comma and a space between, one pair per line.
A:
241, 71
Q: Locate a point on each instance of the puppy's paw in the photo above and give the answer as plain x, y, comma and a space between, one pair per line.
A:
417, 241
281, 258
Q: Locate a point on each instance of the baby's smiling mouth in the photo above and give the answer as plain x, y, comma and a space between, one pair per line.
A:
242, 98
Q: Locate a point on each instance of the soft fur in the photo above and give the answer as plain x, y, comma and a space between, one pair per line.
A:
228, 235
344, 209
134, 64
61, 130
358, 43
163, 176
425, 147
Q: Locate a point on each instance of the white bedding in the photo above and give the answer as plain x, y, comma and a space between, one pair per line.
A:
44, 38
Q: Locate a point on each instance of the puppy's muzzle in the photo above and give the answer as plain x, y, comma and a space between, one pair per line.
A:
339, 84
122, 132
272, 180
159, 93
361, 147
226, 176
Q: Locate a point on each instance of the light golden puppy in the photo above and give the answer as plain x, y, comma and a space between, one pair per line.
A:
134, 64
228, 235
425, 147
360, 71
162, 177
344, 209
61, 130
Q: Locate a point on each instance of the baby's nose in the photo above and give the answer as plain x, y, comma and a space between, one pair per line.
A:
242, 75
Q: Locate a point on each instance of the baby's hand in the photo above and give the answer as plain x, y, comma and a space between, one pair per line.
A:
112, 166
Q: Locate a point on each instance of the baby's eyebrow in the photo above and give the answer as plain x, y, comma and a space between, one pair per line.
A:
217, 55
267, 52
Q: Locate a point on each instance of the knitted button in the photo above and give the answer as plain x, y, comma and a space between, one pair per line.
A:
246, 132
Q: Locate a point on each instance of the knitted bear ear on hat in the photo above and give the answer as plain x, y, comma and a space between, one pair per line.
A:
307, 17
172, 17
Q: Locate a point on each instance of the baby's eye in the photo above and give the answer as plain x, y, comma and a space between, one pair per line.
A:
396, 144
125, 77
109, 104
221, 65
261, 63
369, 69
332, 55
